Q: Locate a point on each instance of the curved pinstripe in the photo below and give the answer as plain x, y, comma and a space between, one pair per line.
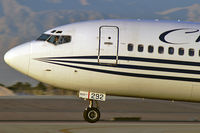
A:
60, 61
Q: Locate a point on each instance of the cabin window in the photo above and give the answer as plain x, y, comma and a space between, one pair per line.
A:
181, 51
130, 47
191, 52
43, 37
170, 50
199, 52
140, 48
150, 49
160, 50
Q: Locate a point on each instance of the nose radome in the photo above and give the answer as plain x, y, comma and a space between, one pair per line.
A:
9, 56
18, 57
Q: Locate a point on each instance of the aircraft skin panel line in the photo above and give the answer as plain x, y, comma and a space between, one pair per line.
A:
134, 58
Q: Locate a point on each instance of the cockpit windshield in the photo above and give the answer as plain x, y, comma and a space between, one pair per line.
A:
55, 39
43, 37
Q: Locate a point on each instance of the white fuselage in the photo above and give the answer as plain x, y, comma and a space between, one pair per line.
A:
148, 59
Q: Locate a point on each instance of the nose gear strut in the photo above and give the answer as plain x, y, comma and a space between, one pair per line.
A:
91, 113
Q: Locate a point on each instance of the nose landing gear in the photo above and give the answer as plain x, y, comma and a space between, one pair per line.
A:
91, 114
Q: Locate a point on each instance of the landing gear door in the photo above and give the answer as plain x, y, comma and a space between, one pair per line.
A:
108, 44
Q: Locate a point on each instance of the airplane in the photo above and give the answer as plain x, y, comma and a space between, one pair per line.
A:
131, 58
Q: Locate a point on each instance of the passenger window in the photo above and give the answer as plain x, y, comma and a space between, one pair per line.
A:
160, 50
191, 52
140, 48
181, 51
130, 47
199, 52
150, 49
170, 50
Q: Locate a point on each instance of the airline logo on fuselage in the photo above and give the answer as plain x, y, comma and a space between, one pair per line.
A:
180, 36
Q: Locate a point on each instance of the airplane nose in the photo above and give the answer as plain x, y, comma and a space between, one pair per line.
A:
18, 57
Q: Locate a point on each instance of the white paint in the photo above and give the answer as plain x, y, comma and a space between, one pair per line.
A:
85, 42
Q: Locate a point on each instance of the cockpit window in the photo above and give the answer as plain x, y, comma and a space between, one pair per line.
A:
43, 37
64, 39
59, 39
53, 39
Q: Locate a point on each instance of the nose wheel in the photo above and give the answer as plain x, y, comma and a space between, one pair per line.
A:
91, 114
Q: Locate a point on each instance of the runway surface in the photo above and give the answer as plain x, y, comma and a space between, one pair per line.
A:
62, 108
101, 127
61, 114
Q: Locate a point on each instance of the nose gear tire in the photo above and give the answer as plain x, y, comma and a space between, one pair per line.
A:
91, 115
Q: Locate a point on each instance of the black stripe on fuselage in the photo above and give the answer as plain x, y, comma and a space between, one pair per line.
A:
152, 60
132, 67
129, 74
59, 61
